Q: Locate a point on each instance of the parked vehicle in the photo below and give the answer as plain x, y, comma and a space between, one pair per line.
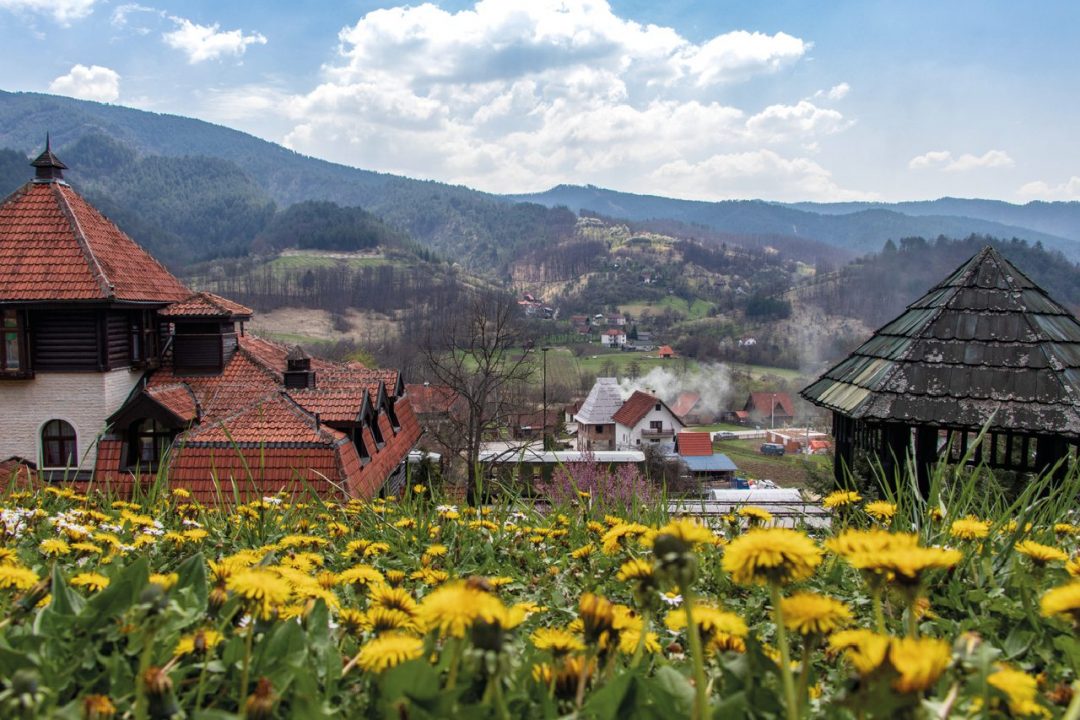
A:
771, 449
724, 435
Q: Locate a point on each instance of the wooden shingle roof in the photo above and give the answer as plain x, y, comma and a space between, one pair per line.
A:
986, 342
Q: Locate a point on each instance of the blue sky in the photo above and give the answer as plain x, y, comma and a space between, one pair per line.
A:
708, 100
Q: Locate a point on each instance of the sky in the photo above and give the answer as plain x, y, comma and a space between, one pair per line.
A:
790, 100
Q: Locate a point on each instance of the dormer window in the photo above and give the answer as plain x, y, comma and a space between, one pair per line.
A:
13, 355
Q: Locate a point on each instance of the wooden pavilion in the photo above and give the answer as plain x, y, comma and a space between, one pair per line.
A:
986, 347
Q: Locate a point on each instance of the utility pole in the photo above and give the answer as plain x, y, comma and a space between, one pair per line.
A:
544, 432
772, 413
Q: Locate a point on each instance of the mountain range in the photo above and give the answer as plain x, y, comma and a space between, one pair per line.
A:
191, 191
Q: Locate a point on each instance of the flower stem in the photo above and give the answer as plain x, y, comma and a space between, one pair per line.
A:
804, 674
912, 621
785, 655
249, 640
693, 635
1073, 712
144, 664
640, 649
879, 610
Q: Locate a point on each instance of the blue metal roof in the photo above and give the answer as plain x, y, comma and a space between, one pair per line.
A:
717, 462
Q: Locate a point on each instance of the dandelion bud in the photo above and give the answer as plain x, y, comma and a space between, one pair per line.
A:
98, 707
260, 704
216, 599
157, 682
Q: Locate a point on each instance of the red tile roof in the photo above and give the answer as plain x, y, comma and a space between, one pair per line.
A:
177, 399
665, 351
694, 443
273, 419
206, 305
685, 403
762, 403
55, 246
429, 399
637, 407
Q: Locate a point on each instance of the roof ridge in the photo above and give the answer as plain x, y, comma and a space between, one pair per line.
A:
96, 270
311, 419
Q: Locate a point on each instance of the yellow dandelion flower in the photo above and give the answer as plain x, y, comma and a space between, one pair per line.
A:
559, 642
54, 547
855, 542
689, 531
864, 649
595, 527
583, 552
429, 576
451, 608
86, 548
199, 642
92, 581
387, 651
840, 499
881, 510
376, 548
395, 577
1066, 529
352, 620
616, 538
638, 571
8, 556
920, 662
262, 590
809, 613
394, 598
1073, 567
1040, 554
195, 534
597, 616
755, 515
405, 523
361, 576
772, 555
720, 630
382, 619
1063, 600
1020, 689
165, 581
98, 707
16, 577
969, 528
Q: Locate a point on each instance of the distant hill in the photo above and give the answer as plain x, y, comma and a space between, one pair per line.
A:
191, 191
850, 226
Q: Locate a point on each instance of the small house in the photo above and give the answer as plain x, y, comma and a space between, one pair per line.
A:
643, 420
613, 338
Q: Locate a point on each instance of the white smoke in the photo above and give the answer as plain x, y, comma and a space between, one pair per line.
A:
712, 381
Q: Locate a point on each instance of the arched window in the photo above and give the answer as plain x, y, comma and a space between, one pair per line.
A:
147, 442
59, 446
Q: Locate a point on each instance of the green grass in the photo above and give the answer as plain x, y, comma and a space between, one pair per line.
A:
311, 262
689, 311
759, 372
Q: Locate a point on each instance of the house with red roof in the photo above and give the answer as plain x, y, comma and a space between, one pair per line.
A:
112, 371
769, 409
613, 337
707, 467
665, 352
644, 420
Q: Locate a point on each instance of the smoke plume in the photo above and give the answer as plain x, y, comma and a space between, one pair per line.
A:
712, 381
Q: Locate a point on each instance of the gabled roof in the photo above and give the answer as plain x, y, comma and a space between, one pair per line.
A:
207, 305
665, 350
986, 341
54, 246
273, 420
763, 403
601, 404
431, 399
694, 443
685, 403
636, 407
614, 332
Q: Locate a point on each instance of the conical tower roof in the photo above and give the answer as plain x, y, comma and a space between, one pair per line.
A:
55, 246
986, 342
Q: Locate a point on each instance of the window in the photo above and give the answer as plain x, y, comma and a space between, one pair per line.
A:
657, 406
143, 338
12, 343
599, 429
657, 425
147, 442
59, 448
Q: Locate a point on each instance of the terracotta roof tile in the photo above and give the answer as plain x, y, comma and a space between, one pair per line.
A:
694, 443
55, 246
206, 304
685, 403
178, 399
431, 399
762, 402
273, 419
635, 408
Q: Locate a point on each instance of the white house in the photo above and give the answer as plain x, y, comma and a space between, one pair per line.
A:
613, 338
644, 420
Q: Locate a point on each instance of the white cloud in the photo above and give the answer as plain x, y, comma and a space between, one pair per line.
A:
207, 42
836, 92
945, 161
759, 173
1040, 190
62, 11
122, 14
515, 95
88, 83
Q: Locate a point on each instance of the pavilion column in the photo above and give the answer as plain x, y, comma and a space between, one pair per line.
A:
1049, 449
926, 454
895, 445
844, 455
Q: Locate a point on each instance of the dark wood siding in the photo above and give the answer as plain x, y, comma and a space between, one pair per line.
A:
66, 339
198, 354
119, 338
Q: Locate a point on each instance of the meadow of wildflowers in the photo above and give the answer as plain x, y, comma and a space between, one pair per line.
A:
963, 606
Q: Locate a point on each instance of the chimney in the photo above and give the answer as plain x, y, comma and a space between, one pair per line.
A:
298, 372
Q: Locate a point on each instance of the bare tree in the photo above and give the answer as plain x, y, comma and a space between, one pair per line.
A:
478, 354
